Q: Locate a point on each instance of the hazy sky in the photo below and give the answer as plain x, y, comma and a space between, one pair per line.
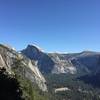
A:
54, 25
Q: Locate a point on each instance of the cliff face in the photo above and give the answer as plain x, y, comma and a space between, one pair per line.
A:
44, 61
26, 68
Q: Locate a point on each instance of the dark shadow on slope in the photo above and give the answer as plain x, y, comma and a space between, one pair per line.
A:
9, 87
45, 63
92, 79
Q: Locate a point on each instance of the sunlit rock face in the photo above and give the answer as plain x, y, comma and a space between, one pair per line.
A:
62, 65
29, 71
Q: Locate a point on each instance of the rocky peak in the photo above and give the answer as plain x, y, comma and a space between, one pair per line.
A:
34, 47
32, 51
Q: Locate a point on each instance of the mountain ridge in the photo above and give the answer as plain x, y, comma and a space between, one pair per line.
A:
63, 63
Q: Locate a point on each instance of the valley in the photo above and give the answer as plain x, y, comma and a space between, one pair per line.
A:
46, 76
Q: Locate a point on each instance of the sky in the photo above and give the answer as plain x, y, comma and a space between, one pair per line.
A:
54, 25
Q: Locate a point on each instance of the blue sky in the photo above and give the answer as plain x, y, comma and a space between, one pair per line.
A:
54, 25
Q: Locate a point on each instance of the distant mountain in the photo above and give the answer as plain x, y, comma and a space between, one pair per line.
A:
84, 62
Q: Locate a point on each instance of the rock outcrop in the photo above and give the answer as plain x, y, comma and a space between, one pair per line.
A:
8, 56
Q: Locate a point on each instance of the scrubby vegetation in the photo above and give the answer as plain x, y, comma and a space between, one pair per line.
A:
78, 89
30, 91
17, 87
9, 87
